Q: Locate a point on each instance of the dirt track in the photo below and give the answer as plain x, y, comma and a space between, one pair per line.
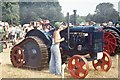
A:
8, 71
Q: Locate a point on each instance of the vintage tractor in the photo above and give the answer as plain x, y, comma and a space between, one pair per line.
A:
112, 40
82, 44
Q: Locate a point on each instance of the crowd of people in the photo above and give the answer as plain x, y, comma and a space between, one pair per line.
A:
92, 23
15, 33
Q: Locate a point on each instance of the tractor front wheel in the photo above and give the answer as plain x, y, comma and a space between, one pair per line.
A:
78, 66
103, 64
17, 56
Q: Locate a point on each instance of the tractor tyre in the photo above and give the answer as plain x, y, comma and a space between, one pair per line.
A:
114, 45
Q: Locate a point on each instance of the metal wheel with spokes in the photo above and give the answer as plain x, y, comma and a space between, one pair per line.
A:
17, 56
110, 42
78, 66
103, 64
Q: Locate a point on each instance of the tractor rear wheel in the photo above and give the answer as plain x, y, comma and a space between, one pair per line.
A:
36, 53
111, 42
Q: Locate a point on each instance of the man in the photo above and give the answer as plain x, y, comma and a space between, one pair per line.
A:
55, 60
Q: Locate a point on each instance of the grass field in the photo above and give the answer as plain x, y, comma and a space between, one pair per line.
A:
8, 71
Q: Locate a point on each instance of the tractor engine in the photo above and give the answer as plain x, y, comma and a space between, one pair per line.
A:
83, 40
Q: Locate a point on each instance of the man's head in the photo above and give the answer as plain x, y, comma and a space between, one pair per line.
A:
57, 25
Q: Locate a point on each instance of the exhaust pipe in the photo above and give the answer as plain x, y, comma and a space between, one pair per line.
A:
74, 17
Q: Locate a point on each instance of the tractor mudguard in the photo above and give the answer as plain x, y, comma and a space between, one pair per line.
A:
40, 34
113, 28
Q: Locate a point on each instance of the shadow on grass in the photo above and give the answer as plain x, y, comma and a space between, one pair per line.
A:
29, 68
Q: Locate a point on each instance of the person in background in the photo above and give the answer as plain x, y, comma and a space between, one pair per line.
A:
10, 32
55, 60
110, 24
13, 35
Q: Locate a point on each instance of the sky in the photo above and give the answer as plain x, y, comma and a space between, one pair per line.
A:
83, 7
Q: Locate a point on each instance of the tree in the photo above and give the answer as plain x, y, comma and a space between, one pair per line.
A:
119, 18
105, 12
32, 11
89, 17
0, 11
10, 12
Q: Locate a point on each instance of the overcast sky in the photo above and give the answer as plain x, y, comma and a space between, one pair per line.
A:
83, 7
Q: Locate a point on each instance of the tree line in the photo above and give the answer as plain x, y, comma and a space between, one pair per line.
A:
104, 12
24, 12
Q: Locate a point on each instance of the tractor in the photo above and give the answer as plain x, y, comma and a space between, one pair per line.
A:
82, 44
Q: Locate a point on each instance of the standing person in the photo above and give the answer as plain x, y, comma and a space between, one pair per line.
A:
13, 34
55, 60
10, 32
